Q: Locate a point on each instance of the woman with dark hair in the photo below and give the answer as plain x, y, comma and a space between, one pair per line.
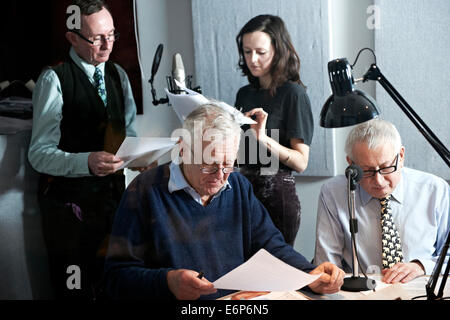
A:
276, 99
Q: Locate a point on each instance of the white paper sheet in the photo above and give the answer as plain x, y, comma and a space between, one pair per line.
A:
142, 151
264, 272
183, 104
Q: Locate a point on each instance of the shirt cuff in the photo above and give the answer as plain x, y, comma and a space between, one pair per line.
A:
428, 265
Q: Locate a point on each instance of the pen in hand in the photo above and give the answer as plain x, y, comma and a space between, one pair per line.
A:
201, 275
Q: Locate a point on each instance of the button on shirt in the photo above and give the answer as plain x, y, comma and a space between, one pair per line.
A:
420, 209
177, 182
47, 114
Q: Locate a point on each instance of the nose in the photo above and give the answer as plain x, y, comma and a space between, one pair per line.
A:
219, 174
378, 178
106, 44
254, 57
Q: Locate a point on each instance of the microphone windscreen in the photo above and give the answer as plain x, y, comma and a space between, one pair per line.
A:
354, 171
178, 72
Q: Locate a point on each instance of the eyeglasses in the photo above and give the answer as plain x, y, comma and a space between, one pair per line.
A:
214, 169
383, 171
98, 40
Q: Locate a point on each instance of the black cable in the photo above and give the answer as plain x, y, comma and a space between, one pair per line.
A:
414, 298
360, 51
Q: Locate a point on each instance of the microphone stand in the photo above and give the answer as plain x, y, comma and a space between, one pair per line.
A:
355, 283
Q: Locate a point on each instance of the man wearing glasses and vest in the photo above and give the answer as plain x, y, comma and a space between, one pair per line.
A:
402, 213
83, 109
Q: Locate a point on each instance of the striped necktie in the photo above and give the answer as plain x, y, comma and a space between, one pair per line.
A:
100, 84
391, 243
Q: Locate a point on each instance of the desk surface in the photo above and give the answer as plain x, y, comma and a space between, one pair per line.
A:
383, 291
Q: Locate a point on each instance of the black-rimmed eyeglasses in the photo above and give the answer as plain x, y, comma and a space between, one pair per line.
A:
383, 171
98, 40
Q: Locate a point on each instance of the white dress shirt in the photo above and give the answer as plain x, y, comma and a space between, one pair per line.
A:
420, 209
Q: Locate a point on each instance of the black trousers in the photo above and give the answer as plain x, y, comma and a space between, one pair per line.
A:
77, 216
278, 195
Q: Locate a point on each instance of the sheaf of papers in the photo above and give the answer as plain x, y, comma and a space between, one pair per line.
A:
183, 104
264, 272
142, 151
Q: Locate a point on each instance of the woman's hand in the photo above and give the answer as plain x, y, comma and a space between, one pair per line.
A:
260, 116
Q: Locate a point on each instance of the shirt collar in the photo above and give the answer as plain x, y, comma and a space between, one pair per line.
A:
87, 68
398, 194
177, 181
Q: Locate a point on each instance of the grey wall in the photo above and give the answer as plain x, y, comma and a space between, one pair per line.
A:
215, 26
348, 33
412, 48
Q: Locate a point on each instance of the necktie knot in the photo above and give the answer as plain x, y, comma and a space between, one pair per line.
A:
385, 201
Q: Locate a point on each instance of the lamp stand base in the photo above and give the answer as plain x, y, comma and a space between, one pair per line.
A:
355, 284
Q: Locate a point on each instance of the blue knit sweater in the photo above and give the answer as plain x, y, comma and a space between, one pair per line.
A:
155, 231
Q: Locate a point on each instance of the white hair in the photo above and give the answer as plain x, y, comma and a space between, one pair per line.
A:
208, 122
212, 117
373, 133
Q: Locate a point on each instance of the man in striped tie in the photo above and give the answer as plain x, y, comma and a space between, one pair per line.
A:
82, 111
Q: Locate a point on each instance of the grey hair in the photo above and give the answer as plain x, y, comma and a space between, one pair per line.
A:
374, 133
211, 116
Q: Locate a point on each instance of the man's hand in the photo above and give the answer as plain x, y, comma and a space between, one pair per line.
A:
185, 285
103, 163
330, 281
402, 272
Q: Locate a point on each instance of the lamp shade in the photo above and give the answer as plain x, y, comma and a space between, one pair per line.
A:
347, 106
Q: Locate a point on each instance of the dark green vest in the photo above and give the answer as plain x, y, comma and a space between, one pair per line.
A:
87, 125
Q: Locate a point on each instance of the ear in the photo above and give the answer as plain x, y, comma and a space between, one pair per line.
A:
402, 155
349, 161
71, 37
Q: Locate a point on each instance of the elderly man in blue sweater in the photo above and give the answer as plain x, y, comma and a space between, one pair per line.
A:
195, 214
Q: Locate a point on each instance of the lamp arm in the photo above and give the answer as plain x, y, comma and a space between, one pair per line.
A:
432, 282
447, 270
374, 73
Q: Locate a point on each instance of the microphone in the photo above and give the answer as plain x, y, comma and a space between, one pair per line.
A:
354, 172
178, 73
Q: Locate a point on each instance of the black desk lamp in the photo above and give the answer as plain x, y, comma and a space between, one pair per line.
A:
348, 106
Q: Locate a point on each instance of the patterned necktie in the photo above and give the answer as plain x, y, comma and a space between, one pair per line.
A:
100, 84
391, 243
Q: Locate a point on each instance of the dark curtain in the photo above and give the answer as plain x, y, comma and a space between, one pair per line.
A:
32, 36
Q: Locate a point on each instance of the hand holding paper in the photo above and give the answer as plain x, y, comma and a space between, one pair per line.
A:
142, 151
330, 280
264, 272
